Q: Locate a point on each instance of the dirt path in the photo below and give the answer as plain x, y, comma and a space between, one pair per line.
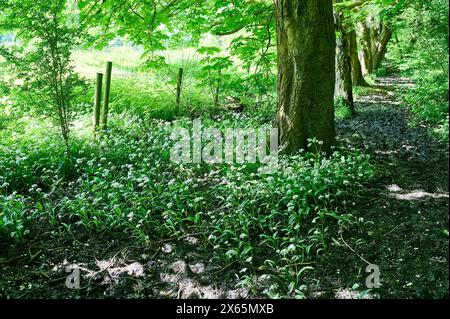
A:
405, 209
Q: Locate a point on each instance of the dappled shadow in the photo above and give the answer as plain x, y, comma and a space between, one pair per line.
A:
182, 280
405, 208
181, 269
383, 129
393, 81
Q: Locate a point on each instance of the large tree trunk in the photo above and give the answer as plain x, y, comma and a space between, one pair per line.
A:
357, 74
306, 73
375, 38
343, 90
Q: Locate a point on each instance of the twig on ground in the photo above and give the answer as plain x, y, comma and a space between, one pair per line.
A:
348, 246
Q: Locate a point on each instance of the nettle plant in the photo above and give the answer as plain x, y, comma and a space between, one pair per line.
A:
42, 60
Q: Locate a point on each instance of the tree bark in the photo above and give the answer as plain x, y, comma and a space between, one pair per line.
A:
343, 90
357, 74
217, 90
179, 88
306, 73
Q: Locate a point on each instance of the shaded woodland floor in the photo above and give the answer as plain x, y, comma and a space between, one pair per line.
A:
404, 209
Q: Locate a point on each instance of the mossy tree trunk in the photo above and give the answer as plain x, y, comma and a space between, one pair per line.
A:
343, 88
357, 74
306, 73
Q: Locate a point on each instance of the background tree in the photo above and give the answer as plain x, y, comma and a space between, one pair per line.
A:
357, 75
375, 36
43, 59
343, 91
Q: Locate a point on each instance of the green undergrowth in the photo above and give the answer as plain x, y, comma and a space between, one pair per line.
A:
267, 224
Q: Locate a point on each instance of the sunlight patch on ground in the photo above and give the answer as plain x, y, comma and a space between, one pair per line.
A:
184, 286
346, 293
412, 195
115, 267
109, 270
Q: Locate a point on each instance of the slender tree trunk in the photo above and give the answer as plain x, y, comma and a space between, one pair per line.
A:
343, 90
217, 90
179, 88
357, 74
397, 43
306, 73
384, 38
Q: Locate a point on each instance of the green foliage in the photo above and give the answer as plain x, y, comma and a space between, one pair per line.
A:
147, 99
213, 73
271, 224
123, 181
159, 26
421, 52
150, 93
25, 164
342, 110
44, 65
13, 218
153, 25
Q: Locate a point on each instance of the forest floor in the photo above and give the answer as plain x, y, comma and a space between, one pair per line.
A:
405, 208
405, 213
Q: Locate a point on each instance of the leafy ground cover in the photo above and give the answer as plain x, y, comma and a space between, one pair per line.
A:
140, 226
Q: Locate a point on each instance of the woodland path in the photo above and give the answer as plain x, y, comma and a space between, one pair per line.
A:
405, 208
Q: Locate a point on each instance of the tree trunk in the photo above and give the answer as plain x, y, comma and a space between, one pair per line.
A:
217, 90
357, 74
375, 37
343, 90
306, 73
179, 88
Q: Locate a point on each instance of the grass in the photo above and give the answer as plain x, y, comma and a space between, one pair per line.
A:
126, 60
143, 92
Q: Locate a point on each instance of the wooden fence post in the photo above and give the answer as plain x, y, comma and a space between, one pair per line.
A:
179, 86
104, 122
97, 102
